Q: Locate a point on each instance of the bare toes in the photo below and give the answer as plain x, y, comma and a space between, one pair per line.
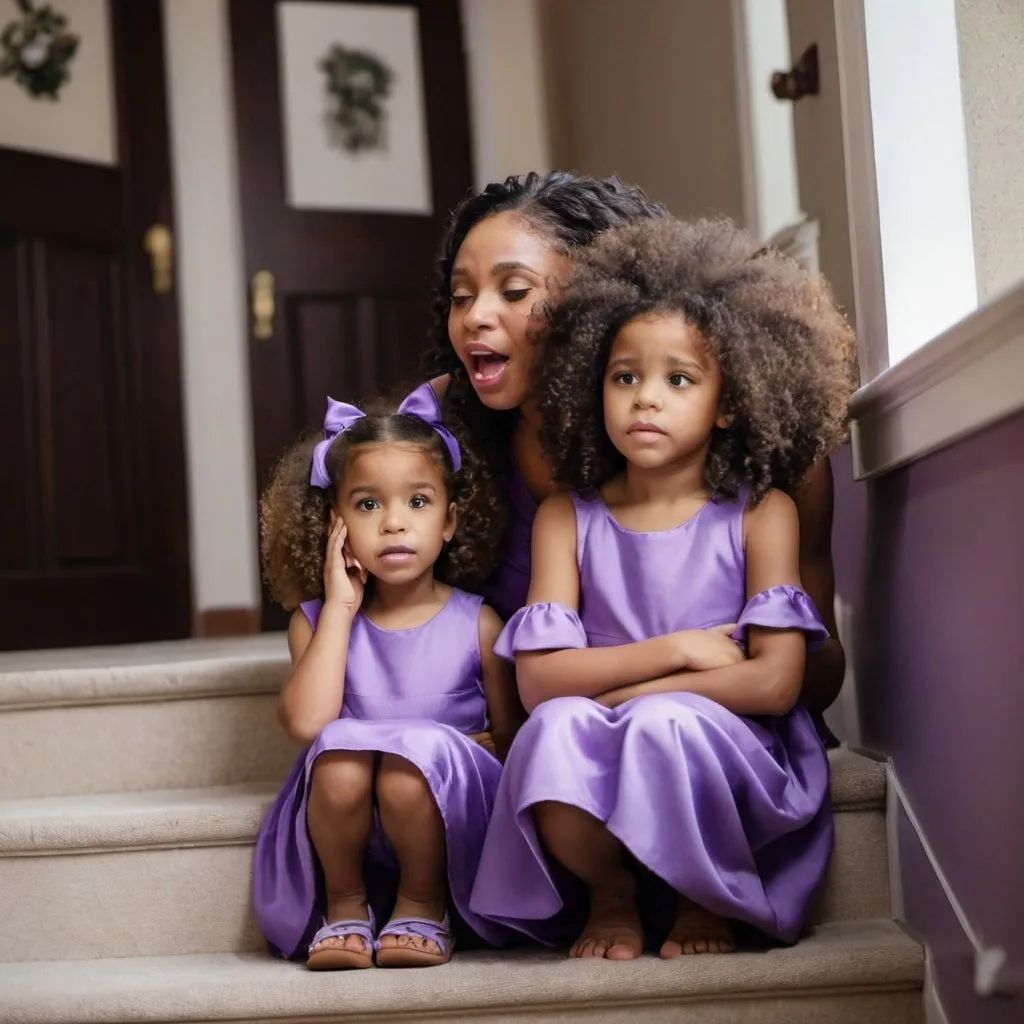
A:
622, 951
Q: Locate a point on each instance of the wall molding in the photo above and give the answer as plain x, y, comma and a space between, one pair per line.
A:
934, 1011
861, 187
966, 379
221, 622
745, 117
993, 974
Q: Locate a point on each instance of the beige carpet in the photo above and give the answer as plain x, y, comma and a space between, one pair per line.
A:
837, 961
132, 784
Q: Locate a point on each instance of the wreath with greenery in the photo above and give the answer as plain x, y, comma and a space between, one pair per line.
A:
36, 50
358, 84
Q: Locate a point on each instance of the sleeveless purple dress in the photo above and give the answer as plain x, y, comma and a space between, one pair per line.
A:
415, 693
733, 812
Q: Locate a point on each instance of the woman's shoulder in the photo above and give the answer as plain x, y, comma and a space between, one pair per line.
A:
439, 385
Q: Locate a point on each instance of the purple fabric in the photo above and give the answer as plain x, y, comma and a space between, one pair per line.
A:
506, 590
541, 627
341, 929
421, 927
415, 693
783, 608
731, 811
421, 403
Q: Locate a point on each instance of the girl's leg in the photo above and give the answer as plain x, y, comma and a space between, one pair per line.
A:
582, 843
339, 816
412, 823
697, 930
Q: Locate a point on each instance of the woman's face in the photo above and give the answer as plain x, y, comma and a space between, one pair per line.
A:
503, 269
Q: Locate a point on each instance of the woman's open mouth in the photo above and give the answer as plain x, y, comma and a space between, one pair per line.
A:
486, 366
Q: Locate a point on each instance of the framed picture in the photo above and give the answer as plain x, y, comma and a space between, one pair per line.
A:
355, 133
57, 79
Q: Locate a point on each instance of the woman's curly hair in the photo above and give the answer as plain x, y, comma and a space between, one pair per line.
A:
295, 516
785, 351
569, 209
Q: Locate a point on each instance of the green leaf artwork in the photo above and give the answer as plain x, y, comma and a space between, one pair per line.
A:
36, 50
358, 86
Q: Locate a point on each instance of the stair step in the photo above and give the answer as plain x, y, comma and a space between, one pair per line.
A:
164, 873
843, 973
185, 714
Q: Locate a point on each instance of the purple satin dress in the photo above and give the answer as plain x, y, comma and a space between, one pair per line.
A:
415, 693
733, 812
506, 590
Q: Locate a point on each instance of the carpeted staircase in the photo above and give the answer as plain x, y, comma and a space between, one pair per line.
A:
132, 784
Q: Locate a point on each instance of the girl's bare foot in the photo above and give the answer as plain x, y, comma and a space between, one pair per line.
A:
697, 930
613, 930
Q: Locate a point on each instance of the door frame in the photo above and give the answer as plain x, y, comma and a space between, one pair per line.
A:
145, 160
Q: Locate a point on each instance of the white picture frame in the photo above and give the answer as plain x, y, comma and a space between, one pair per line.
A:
353, 109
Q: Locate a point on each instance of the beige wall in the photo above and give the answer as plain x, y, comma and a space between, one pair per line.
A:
211, 297
647, 89
991, 37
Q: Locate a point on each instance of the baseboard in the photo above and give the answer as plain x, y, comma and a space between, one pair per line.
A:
994, 975
934, 1011
217, 622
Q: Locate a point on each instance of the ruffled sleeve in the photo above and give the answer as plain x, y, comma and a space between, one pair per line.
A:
540, 627
784, 607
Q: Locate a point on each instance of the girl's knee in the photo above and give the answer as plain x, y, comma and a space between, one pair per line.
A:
401, 787
558, 717
342, 778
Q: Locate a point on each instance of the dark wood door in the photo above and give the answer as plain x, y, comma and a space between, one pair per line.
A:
93, 527
351, 290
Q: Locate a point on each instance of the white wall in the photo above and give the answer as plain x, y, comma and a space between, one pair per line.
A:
211, 296
991, 39
821, 156
507, 95
762, 47
509, 129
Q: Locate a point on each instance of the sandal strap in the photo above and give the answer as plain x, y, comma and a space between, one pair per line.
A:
342, 929
438, 932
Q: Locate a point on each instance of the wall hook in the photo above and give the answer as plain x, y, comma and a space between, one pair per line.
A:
801, 81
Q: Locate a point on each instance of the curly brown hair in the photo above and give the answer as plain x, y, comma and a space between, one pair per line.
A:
570, 210
785, 350
295, 515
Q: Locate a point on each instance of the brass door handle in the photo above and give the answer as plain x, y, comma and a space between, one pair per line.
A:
159, 244
263, 305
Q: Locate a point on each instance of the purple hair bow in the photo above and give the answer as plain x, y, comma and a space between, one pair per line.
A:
421, 403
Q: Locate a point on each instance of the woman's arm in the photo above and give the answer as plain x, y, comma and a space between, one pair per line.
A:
826, 666
768, 681
504, 711
587, 671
